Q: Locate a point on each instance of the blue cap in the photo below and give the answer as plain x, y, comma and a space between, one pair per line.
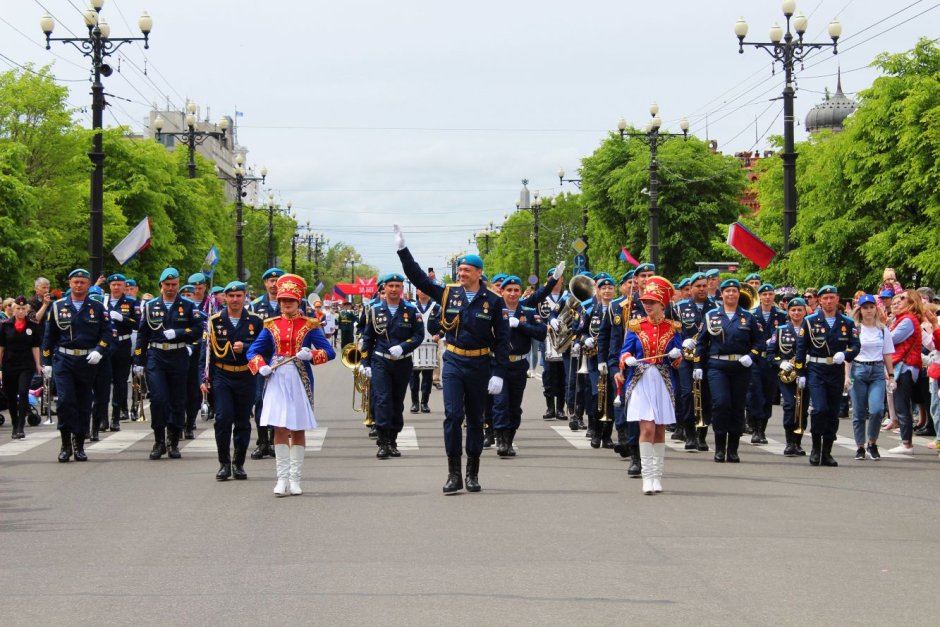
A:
586, 273
551, 271
197, 278
169, 273
605, 281
603, 275
682, 284
218, 289
498, 277
729, 283
392, 277
698, 276
646, 267
626, 276
470, 260
94, 289
117, 277
272, 273
187, 288
827, 289
886, 294
866, 299
512, 280
752, 277
797, 301
233, 286
80, 273
765, 287
131, 282
712, 274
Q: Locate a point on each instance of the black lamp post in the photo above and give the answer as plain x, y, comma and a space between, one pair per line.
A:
788, 50
534, 206
654, 138
584, 214
97, 46
240, 181
191, 137
273, 209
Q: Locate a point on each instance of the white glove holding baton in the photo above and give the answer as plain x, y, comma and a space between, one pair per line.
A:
305, 354
630, 361
265, 370
674, 354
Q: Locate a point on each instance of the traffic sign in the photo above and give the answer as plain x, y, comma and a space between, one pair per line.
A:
579, 261
579, 245
533, 279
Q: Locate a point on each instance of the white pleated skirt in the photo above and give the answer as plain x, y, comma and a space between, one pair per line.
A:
285, 401
650, 400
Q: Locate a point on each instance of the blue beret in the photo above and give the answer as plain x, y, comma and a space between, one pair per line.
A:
796, 302
470, 260
512, 280
626, 276
712, 274
94, 289
765, 287
169, 273
117, 277
605, 281
199, 277
131, 282
551, 271
683, 283
498, 277
81, 273
752, 277
827, 289
698, 276
272, 273
645, 267
392, 277
484, 277
218, 289
587, 273
187, 288
603, 275
730, 283
234, 286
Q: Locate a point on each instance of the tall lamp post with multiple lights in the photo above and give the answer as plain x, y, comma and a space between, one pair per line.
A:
788, 50
240, 181
191, 137
98, 45
584, 214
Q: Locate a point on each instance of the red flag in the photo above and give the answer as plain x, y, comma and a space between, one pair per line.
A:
748, 244
626, 256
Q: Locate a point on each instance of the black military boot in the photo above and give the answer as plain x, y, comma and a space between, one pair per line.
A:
798, 444
382, 443
115, 419
262, 443
188, 430
269, 449
425, 409
500, 442
790, 449
816, 452
124, 414
173, 444
510, 436
720, 448
373, 432
636, 467
827, 458
65, 453
473, 470
549, 409
393, 444
594, 432
94, 430
691, 438
621, 447
238, 464
679, 434
749, 427
733, 441
607, 429
225, 466
159, 444
763, 431
78, 446
579, 416
755, 430
414, 404
702, 433
488, 438
560, 413
573, 423
454, 478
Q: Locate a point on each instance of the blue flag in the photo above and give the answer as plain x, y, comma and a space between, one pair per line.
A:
212, 259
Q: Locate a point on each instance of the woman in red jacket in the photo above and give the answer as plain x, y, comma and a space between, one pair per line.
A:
908, 311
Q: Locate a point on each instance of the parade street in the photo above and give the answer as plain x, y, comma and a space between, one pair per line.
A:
558, 535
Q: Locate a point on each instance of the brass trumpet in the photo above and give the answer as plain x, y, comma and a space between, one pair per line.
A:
787, 377
799, 411
351, 358
602, 397
697, 404
748, 297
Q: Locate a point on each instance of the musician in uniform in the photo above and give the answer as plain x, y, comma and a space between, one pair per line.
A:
763, 373
826, 341
472, 318
553, 376
600, 433
101, 397
124, 312
781, 352
77, 334
265, 306
426, 356
168, 327
525, 325
691, 314
393, 331
612, 334
726, 347
206, 305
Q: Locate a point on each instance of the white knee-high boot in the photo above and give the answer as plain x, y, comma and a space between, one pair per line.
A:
282, 465
296, 467
648, 460
659, 452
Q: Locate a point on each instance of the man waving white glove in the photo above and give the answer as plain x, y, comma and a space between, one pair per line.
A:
559, 270
399, 238
495, 385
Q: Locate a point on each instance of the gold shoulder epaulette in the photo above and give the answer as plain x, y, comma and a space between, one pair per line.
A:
215, 315
269, 323
676, 325
312, 323
634, 324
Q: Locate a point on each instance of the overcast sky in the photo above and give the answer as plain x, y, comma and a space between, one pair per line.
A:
428, 113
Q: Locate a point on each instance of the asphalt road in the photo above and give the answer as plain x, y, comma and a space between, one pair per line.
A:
559, 534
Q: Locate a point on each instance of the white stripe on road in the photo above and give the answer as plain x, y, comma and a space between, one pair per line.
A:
315, 439
204, 443
119, 441
32, 440
575, 438
408, 439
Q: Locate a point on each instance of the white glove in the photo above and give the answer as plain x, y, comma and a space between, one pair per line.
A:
575, 350
360, 344
688, 344
553, 323
674, 354
495, 385
265, 370
305, 354
513, 322
395, 351
139, 370
93, 358
746, 361
589, 343
170, 334
787, 366
838, 358
115, 315
630, 361
697, 374
189, 351
399, 238
47, 371
602, 368
367, 372
801, 382
892, 385
559, 270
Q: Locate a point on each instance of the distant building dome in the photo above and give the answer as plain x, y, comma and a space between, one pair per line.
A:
830, 114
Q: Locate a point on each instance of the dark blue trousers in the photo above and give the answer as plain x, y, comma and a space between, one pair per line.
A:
465, 381
507, 410
120, 371
788, 397
234, 395
103, 378
193, 393
166, 380
825, 383
389, 385
763, 384
685, 410
74, 384
727, 382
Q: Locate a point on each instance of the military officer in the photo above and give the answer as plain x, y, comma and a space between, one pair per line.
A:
826, 341
781, 352
265, 306
713, 277
421, 379
726, 346
754, 280
102, 386
347, 324
78, 333
691, 314
204, 303
131, 288
601, 434
472, 319
553, 375
763, 374
124, 312
229, 335
169, 324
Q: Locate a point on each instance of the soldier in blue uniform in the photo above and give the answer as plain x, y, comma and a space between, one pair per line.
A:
691, 314
713, 276
525, 325
826, 341
598, 353
265, 306
472, 318
229, 335
421, 379
553, 376
196, 370
102, 385
754, 280
124, 312
78, 333
169, 324
781, 352
727, 345
394, 330
763, 374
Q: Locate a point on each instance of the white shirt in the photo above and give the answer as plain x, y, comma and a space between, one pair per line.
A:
876, 343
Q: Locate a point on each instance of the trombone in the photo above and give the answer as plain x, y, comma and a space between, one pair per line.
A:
352, 358
799, 411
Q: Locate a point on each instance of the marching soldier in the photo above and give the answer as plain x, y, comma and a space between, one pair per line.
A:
763, 374
102, 387
347, 324
421, 379
124, 312
553, 376
753, 280
727, 345
77, 335
474, 325
265, 306
194, 375
713, 276
826, 341
395, 329
230, 334
691, 314
169, 325
781, 352
601, 434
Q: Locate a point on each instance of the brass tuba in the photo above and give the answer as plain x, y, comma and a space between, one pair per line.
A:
748, 298
580, 288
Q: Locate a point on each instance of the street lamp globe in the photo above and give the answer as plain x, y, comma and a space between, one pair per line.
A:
191, 106
740, 28
145, 23
776, 33
47, 24
158, 122
97, 4
654, 109
656, 122
223, 123
264, 172
835, 29
789, 7
684, 125
190, 120
800, 23
561, 173
240, 158
621, 125
90, 17
104, 27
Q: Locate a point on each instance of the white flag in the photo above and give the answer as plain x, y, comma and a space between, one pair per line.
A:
137, 240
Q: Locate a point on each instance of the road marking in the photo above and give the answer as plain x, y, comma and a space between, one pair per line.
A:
117, 442
849, 445
315, 439
575, 438
32, 440
204, 443
408, 439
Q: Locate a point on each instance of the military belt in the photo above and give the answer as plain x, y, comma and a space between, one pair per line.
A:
821, 360
729, 357
164, 346
515, 358
463, 352
228, 368
389, 356
74, 352
121, 338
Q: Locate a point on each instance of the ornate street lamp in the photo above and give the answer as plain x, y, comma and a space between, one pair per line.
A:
191, 137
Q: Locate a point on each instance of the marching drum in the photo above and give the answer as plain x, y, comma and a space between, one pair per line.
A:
425, 356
